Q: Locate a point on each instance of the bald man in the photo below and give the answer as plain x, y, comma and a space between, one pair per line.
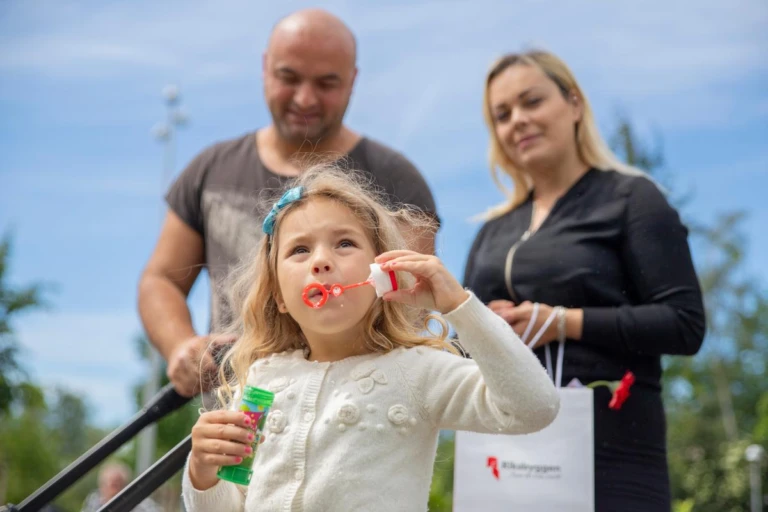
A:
309, 70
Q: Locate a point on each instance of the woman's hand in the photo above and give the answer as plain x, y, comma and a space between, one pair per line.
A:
519, 317
435, 288
219, 438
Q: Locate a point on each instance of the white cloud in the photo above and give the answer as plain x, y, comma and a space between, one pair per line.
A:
660, 44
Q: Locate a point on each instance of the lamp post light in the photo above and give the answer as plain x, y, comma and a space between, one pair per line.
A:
165, 133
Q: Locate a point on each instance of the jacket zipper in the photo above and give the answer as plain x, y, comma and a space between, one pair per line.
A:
528, 233
510, 260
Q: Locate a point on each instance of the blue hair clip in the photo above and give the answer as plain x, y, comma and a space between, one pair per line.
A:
291, 195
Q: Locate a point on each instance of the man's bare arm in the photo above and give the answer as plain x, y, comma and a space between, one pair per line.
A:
163, 292
165, 284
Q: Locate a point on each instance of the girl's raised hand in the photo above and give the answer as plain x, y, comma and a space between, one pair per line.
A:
435, 288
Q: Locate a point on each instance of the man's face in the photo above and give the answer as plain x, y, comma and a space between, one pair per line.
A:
307, 85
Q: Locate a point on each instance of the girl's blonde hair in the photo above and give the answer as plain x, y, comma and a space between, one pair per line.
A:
591, 147
262, 329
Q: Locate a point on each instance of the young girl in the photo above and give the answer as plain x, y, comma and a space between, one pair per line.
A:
360, 393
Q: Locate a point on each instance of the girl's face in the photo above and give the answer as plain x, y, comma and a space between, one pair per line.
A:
532, 119
322, 241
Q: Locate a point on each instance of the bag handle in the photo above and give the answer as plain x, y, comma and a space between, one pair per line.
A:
558, 375
559, 369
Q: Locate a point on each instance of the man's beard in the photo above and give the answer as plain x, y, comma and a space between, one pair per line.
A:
306, 135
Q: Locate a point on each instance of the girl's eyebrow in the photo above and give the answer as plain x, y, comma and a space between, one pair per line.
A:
337, 231
346, 230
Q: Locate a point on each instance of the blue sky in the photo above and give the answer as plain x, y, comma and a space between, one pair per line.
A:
81, 176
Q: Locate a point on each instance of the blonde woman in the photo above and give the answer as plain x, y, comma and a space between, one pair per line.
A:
594, 244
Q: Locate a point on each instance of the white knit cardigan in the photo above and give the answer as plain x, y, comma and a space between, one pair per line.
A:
360, 434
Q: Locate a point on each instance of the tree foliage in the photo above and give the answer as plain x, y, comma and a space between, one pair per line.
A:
713, 399
14, 300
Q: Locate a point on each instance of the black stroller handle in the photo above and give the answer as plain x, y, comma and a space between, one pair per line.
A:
135, 492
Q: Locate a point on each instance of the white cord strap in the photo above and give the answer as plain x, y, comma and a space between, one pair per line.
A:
531, 322
559, 370
543, 328
559, 314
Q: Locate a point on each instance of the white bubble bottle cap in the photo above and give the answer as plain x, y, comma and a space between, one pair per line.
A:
383, 282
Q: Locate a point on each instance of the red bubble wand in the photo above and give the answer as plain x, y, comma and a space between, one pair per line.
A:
383, 282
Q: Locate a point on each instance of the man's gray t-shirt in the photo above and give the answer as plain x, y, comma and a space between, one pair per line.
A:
221, 195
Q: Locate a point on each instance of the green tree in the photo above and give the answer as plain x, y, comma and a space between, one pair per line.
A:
714, 400
634, 151
39, 435
68, 420
441, 492
35, 446
711, 398
13, 301
28, 456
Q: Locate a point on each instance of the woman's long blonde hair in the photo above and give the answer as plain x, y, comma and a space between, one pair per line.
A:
262, 329
591, 147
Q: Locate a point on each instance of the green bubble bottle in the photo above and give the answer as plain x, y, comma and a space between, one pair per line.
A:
255, 403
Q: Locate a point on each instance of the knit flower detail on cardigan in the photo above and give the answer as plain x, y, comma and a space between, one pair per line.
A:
349, 413
367, 376
276, 421
398, 414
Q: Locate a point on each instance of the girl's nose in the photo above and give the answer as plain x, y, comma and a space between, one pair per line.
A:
317, 269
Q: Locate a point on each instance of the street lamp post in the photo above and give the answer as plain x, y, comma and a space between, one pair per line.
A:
165, 132
754, 455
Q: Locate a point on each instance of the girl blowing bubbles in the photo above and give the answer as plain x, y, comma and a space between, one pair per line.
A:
360, 393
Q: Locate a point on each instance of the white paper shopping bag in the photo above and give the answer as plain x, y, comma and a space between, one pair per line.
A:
548, 471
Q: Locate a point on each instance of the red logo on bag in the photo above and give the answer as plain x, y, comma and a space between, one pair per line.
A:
493, 463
